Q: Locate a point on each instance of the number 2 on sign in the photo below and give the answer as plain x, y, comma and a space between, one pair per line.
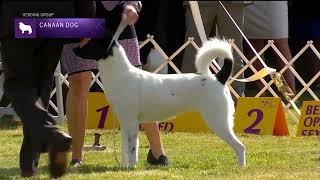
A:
103, 117
250, 129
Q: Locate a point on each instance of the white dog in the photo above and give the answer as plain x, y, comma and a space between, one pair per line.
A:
139, 96
23, 28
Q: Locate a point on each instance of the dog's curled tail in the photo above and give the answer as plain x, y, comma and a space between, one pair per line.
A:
213, 49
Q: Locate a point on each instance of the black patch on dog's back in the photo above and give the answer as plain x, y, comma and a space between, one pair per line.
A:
225, 72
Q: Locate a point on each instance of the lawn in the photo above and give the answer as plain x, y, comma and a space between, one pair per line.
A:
192, 156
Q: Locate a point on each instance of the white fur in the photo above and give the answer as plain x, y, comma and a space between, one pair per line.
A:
24, 28
211, 50
154, 60
139, 96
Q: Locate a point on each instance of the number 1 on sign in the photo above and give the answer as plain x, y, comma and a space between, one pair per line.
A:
103, 117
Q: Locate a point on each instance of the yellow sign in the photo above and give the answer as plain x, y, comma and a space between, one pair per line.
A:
100, 116
309, 123
188, 122
260, 116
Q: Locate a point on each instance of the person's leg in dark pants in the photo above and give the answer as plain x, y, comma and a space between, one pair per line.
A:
51, 52
27, 152
29, 158
26, 73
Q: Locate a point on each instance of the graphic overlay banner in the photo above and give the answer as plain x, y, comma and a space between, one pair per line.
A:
309, 123
261, 116
59, 27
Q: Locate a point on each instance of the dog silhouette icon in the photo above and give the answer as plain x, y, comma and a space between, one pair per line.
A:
24, 28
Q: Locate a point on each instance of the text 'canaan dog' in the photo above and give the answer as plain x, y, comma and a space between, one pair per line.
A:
139, 96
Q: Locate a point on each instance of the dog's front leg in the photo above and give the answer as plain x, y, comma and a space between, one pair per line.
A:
130, 142
124, 148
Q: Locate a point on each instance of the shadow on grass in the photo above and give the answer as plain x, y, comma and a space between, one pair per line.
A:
154, 167
90, 168
8, 122
87, 169
14, 172
9, 173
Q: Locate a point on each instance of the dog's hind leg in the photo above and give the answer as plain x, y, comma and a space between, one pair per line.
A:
130, 142
223, 129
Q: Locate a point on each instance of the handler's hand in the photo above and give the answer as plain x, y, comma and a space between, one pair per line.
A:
84, 41
129, 14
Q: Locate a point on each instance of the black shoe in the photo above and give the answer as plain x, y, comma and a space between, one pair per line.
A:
58, 154
31, 171
27, 174
162, 160
75, 163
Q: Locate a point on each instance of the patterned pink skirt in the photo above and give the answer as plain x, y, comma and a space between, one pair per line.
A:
74, 64
111, 10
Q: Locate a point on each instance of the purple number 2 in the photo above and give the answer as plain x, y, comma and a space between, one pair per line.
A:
103, 117
250, 129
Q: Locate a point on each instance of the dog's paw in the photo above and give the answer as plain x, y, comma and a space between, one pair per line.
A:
242, 164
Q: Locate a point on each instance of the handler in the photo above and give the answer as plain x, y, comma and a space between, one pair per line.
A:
29, 65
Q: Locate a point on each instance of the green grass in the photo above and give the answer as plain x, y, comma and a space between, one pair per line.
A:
193, 156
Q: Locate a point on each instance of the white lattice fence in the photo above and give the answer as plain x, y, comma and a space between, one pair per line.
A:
295, 112
169, 60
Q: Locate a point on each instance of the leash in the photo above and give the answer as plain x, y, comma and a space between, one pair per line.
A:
201, 31
276, 77
114, 141
122, 25
266, 70
116, 35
